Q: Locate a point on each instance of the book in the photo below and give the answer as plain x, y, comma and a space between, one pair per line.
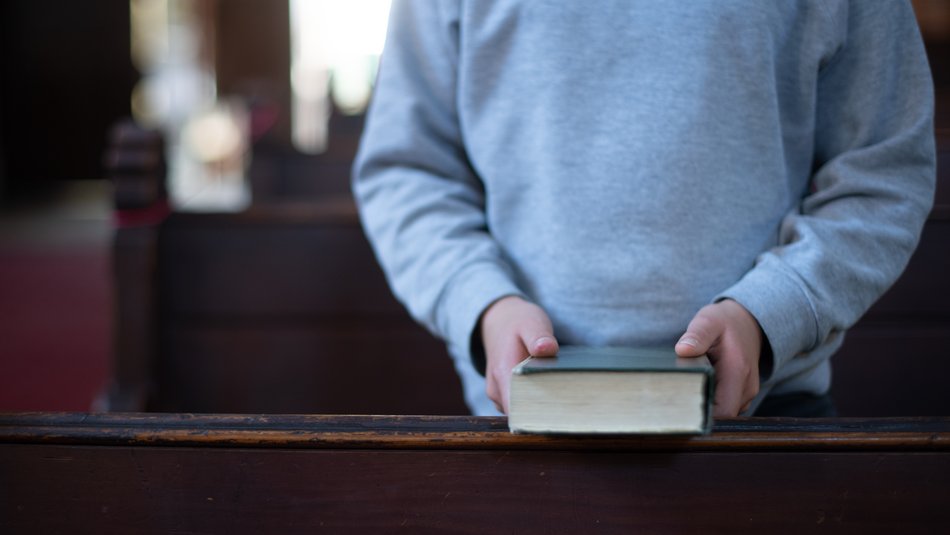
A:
612, 390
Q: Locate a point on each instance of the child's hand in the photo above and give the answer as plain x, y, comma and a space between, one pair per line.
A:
512, 329
732, 339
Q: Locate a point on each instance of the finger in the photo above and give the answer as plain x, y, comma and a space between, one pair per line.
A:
505, 386
731, 378
537, 335
491, 390
702, 333
543, 346
508, 355
746, 407
752, 388
727, 400
497, 390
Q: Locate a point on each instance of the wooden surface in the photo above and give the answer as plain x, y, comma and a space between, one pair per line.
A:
286, 310
277, 309
164, 473
135, 164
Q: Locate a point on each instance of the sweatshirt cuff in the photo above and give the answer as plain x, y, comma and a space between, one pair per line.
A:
467, 295
775, 298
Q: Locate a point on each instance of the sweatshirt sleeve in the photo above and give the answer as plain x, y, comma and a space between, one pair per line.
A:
421, 204
872, 188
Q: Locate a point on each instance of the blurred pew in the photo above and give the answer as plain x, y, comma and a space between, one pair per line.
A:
277, 309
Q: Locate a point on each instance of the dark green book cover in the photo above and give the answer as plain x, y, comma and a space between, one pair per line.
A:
623, 359
619, 360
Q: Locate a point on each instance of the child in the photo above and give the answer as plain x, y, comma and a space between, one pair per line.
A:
742, 179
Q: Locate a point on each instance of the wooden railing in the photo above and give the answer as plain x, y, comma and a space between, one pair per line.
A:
85, 473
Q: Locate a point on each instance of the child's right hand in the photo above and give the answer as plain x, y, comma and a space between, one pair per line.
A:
512, 329
732, 338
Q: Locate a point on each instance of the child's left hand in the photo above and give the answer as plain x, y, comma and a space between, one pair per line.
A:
732, 338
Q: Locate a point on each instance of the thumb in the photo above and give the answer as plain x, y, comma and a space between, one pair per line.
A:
540, 343
537, 335
701, 334
543, 346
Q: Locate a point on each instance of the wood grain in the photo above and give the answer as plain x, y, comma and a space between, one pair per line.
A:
460, 432
151, 473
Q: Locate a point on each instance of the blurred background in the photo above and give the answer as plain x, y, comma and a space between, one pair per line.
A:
209, 259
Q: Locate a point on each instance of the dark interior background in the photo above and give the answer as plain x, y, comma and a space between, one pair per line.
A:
66, 77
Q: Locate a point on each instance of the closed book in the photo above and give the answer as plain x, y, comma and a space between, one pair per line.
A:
612, 390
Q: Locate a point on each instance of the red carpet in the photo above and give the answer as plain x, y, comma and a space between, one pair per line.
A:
55, 326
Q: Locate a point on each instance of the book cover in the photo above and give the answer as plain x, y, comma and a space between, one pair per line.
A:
612, 390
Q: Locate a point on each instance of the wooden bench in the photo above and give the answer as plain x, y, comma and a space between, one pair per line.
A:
273, 310
135, 473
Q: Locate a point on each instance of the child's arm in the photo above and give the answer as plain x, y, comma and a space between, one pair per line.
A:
421, 203
872, 187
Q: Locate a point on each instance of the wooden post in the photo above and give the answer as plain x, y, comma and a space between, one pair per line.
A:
135, 162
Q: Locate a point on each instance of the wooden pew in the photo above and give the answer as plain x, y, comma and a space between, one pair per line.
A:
280, 308
272, 310
285, 310
182, 473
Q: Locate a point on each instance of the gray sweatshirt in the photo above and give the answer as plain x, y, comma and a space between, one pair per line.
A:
623, 163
